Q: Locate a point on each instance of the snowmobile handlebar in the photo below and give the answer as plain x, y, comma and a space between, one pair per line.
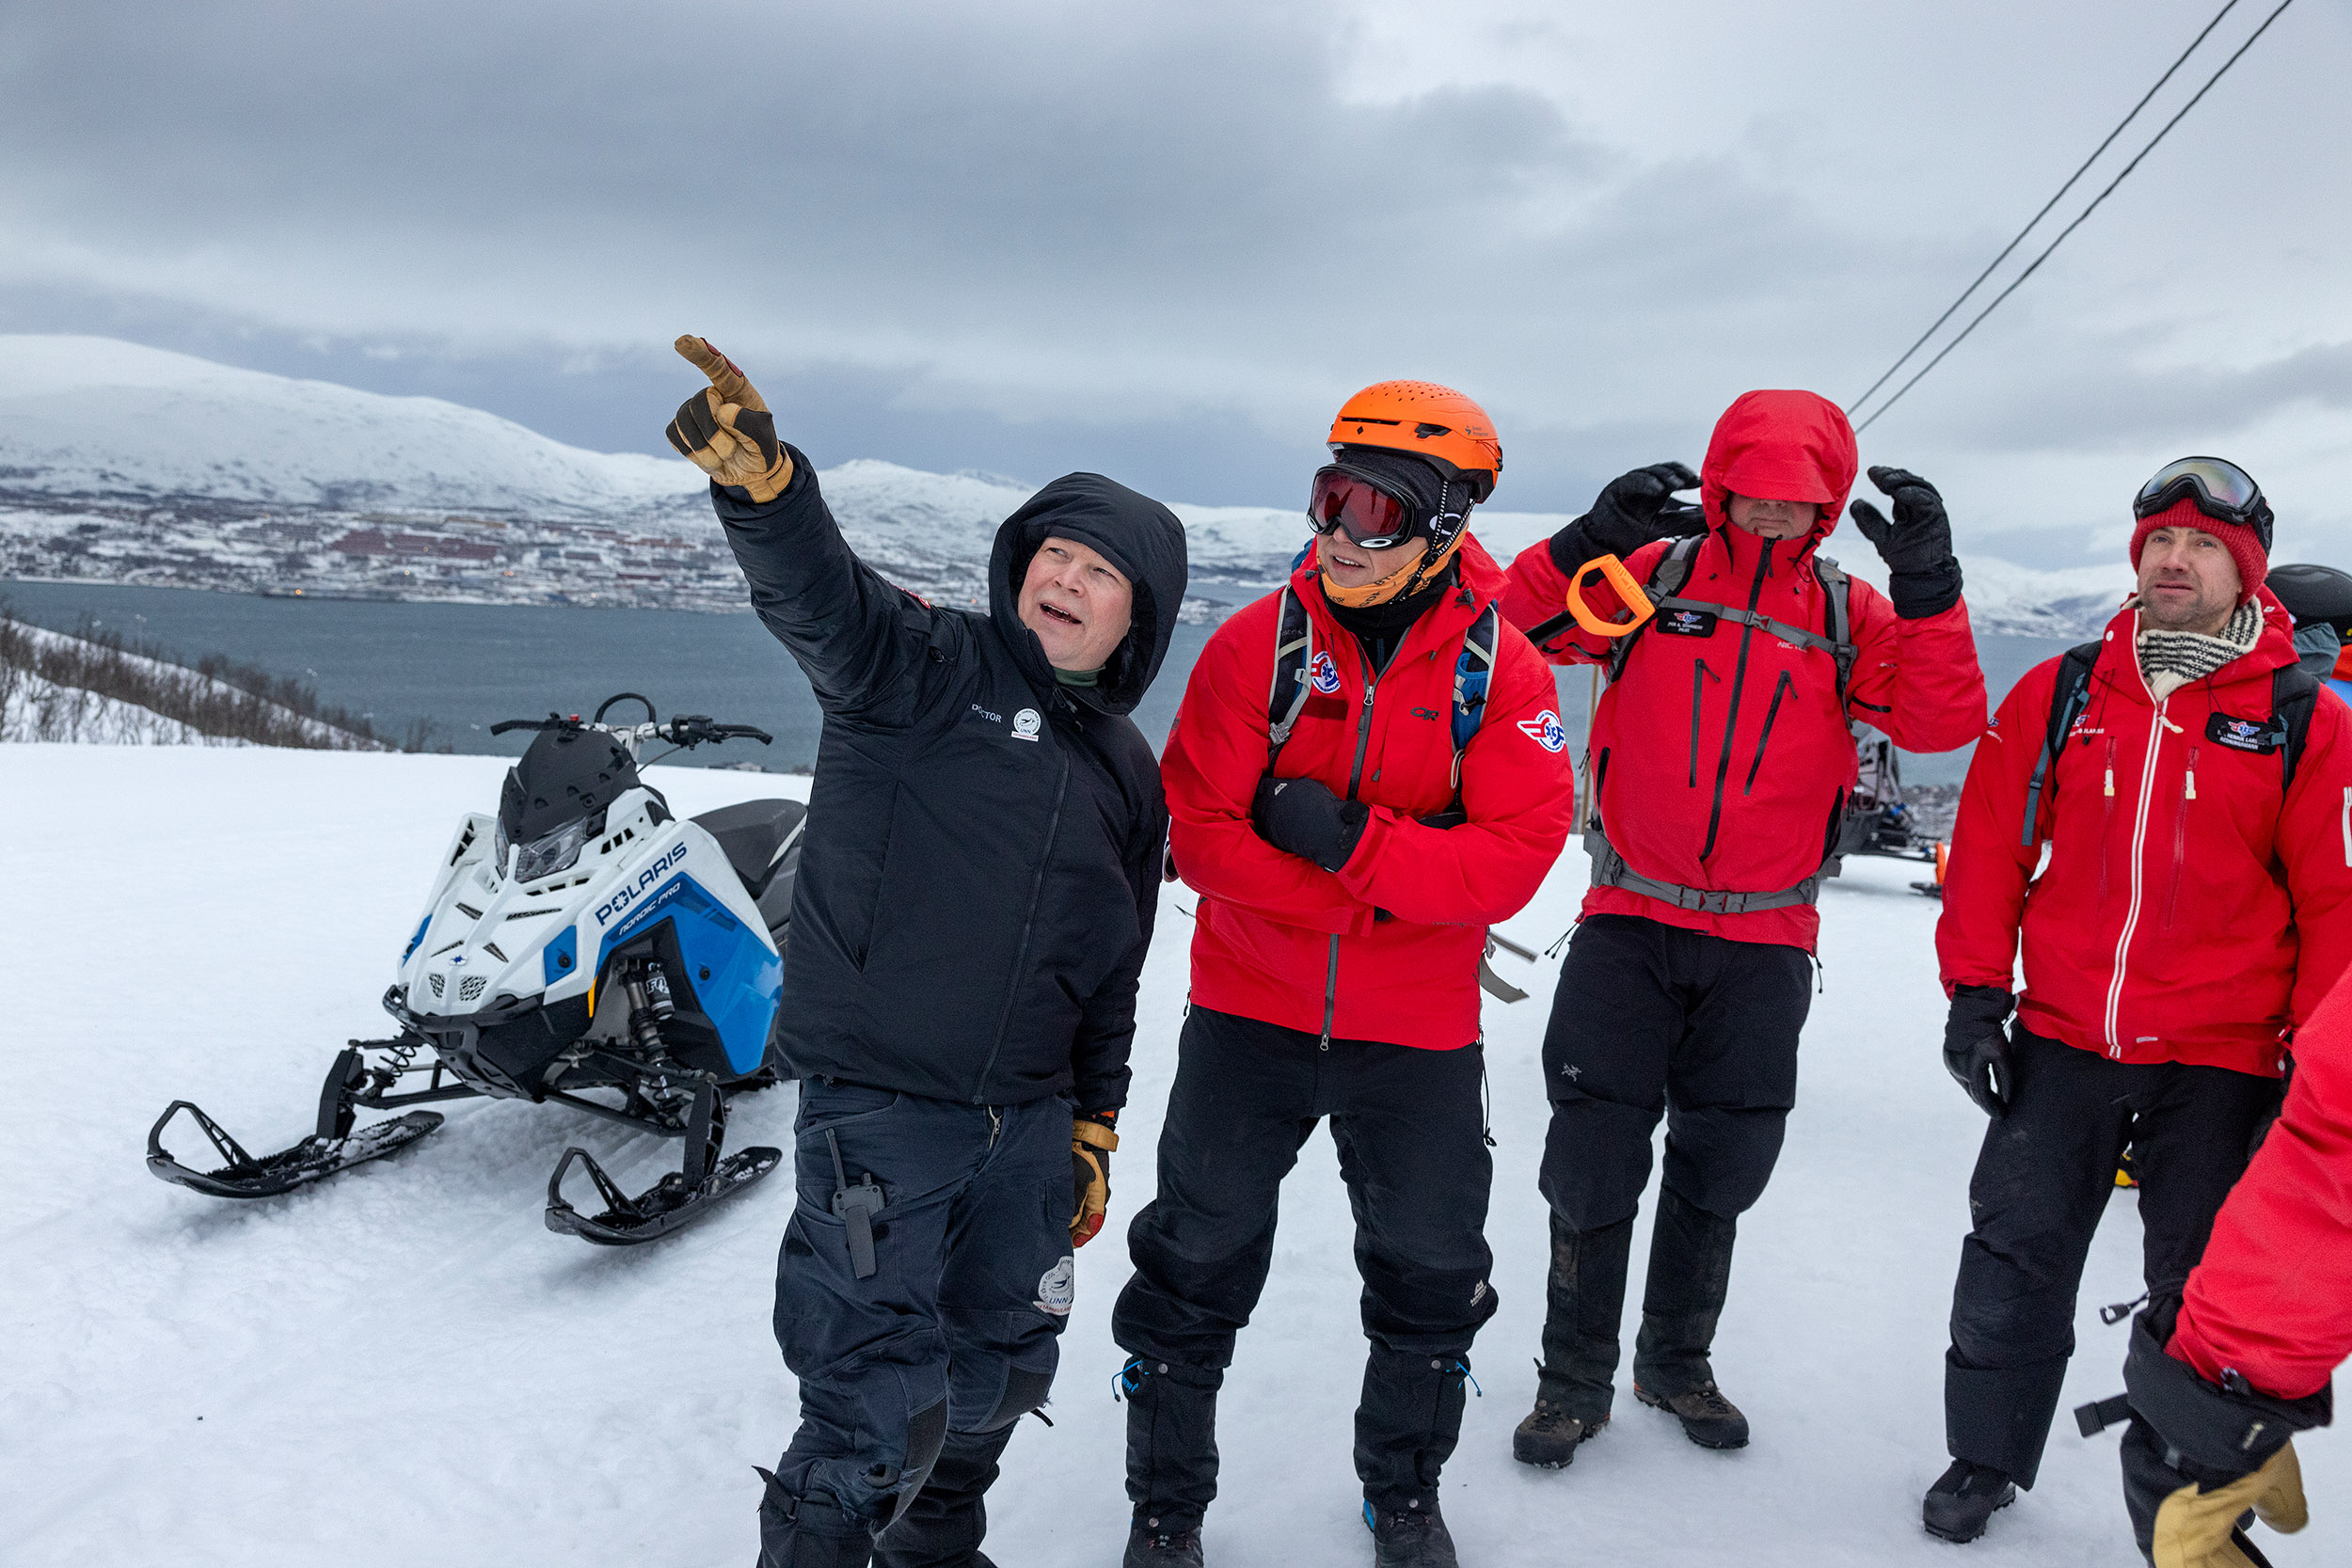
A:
687, 730
692, 729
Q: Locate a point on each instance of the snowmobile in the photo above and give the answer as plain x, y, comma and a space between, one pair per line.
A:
1878, 821
584, 948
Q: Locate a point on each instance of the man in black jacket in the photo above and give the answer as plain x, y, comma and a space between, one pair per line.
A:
976, 897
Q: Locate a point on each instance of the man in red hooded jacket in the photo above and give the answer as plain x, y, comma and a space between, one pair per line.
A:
2195, 906
1721, 765
1350, 854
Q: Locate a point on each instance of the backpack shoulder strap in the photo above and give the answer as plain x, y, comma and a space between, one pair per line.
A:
2068, 699
1293, 663
1666, 578
2293, 692
1839, 623
1472, 671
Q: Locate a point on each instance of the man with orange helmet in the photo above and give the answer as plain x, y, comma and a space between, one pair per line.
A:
1351, 839
1722, 766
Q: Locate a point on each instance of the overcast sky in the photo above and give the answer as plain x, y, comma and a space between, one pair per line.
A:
1166, 241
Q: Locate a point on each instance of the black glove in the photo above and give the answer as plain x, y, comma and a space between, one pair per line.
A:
1975, 1051
1923, 577
1631, 510
1092, 1140
1299, 816
2198, 1454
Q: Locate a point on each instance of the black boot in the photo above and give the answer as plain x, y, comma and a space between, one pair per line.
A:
942, 1526
1583, 1304
1690, 1275
1171, 1449
1407, 1424
1410, 1538
1549, 1436
785, 1540
1963, 1499
1156, 1549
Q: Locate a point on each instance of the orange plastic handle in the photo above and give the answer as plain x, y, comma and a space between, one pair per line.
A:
1627, 590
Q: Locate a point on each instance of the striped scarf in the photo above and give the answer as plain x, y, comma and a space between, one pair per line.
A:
2170, 659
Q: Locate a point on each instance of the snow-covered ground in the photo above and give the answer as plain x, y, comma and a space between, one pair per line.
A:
405, 1366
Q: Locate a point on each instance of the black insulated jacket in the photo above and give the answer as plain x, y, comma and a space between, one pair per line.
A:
981, 864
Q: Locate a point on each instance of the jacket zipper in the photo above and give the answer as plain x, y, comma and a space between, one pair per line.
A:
1698, 668
1355, 778
2157, 724
1770, 713
2106, 829
2180, 839
1029, 925
1738, 681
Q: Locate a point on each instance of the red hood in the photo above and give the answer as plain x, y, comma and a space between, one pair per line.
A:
1780, 445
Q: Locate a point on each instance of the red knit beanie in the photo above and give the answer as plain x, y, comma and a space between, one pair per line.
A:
2253, 562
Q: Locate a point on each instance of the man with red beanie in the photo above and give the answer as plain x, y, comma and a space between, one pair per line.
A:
2188, 790
1351, 838
1722, 768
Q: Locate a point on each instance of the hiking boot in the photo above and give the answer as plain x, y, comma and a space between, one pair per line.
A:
1148, 1548
1963, 1500
1549, 1438
1410, 1538
1708, 1418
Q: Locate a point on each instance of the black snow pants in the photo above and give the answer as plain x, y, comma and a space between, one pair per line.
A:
1651, 1020
1411, 1140
918, 1370
2043, 1178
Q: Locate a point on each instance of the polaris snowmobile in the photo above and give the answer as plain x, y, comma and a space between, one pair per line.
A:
586, 948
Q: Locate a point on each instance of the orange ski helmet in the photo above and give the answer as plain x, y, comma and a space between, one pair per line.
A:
1430, 421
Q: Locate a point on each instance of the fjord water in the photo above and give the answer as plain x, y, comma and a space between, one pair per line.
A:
464, 667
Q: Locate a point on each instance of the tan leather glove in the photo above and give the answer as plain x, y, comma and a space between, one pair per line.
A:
727, 430
1090, 1145
2198, 1530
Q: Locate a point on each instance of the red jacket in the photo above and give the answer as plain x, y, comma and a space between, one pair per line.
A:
1280, 938
2191, 911
1723, 758
2273, 1297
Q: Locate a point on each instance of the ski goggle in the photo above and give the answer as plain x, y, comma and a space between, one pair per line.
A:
1375, 518
2221, 490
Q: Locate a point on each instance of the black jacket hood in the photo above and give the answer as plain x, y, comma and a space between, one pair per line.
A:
1138, 535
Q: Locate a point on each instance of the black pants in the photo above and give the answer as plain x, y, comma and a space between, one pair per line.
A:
932, 1357
1412, 1149
2043, 1178
1651, 1020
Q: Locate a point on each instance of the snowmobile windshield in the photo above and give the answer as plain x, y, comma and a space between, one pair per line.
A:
552, 852
555, 798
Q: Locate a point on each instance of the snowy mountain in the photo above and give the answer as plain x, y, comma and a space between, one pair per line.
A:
199, 488
99, 418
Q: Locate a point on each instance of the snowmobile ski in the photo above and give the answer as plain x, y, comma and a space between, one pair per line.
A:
314, 1158
671, 1205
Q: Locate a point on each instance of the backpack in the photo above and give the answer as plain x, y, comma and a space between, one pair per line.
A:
2294, 692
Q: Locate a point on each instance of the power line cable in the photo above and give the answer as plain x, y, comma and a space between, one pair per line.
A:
2053, 246
1933, 326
